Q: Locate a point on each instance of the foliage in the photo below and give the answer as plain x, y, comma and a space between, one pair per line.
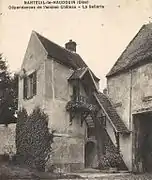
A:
110, 159
14, 89
33, 139
73, 105
8, 94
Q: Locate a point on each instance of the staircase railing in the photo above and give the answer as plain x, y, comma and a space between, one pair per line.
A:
80, 98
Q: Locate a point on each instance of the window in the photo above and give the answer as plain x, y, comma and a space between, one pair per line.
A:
29, 86
76, 92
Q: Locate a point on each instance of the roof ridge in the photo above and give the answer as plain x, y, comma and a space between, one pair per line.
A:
120, 57
55, 43
63, 55
148, 24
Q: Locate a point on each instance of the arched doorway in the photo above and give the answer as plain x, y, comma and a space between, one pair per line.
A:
90, 154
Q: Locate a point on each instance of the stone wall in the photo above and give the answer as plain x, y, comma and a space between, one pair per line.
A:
119, 87
53, 93
119, 93
34, 60
7, 139
141, 88
68, 147
131, 93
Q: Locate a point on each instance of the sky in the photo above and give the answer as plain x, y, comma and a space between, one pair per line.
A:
101, 34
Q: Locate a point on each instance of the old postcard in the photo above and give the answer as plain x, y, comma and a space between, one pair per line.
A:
75, 88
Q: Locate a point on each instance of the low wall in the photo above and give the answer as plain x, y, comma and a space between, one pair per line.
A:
7, 139
67, 154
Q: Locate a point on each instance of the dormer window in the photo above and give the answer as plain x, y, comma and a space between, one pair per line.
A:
30, 86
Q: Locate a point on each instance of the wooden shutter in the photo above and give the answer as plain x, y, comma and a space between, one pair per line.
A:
25, 88
34, 83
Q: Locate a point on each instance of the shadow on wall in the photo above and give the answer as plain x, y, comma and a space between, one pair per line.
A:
90, 153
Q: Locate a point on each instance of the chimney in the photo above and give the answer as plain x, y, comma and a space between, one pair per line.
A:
71, 45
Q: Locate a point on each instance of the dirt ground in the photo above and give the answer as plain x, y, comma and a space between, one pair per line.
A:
121, 176
127, 177
13, 172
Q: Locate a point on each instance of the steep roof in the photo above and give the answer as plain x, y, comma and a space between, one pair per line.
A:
62, 55
138, 51
111, 112
77, 74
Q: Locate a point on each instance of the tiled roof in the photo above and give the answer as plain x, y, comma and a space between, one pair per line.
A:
62, 55
138, 51
77, 73
112, 113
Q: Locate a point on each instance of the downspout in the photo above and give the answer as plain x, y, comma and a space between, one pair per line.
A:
130, 99
52, 69
130, 115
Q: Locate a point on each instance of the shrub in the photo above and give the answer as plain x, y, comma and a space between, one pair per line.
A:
33, 139
110, 160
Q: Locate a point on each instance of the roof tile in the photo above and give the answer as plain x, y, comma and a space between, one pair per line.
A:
77, 73
63, 55
139, 50
112, 113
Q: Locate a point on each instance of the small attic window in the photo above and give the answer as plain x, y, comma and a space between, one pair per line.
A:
30, 86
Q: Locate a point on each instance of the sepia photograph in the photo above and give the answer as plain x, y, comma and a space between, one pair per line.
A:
75, 89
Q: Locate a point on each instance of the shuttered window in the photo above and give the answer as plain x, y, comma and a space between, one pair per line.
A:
30, 83
34, 83
25, 88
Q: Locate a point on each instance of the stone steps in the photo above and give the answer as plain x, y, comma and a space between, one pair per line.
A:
90, 173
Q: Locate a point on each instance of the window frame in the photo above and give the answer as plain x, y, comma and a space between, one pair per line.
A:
30, 86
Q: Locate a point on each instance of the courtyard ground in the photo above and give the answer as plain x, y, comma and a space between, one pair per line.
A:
18, 173
118, 177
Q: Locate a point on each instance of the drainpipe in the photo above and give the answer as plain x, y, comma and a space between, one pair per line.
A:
130, 99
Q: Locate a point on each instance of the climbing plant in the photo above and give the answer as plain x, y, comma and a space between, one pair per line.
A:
111, 158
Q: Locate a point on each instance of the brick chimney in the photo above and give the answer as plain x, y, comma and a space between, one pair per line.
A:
71, 45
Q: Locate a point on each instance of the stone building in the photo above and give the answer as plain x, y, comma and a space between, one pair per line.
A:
58, 80
129, 87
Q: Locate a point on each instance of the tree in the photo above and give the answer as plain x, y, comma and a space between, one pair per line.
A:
8, 94
14, 92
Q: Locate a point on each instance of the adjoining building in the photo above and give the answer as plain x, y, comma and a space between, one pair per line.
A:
129, 85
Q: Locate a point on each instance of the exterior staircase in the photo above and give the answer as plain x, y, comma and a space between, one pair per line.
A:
114, 126
89, 121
